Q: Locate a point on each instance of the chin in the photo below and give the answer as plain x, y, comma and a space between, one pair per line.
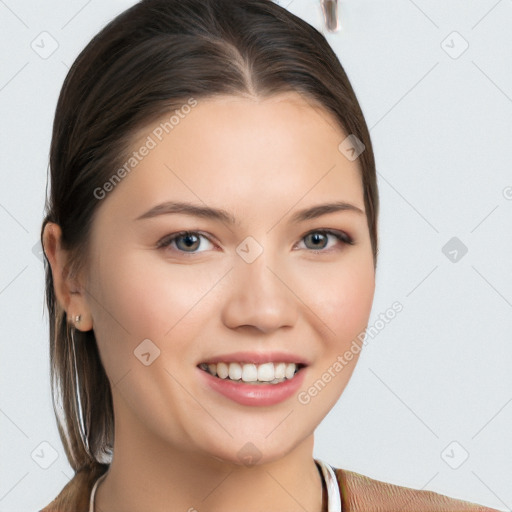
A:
254, 448
249, 455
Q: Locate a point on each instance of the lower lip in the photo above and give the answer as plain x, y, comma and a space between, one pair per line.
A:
255, 394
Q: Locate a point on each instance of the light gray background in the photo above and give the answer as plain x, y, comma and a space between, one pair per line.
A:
435, 384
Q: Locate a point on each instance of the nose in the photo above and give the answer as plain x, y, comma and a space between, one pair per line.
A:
259, 296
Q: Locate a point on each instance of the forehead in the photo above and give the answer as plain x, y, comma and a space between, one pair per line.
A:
271, 152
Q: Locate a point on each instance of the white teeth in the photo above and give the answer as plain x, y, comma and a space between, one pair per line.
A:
279, 370
222, 370
235, 371
250, 373
290, 370
264, 373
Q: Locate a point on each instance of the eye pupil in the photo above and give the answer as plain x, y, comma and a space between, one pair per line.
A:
190, 241
316, 238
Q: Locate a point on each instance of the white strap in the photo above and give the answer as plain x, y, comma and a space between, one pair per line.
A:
93, 492
333, 490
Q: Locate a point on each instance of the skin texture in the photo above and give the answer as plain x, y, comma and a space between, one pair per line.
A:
176, 440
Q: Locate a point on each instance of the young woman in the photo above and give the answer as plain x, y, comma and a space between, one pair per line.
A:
211, 244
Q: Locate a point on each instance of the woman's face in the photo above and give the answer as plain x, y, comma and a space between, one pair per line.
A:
267, 286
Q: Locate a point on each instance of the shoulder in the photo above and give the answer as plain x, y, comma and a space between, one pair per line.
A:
360, 493
74, 497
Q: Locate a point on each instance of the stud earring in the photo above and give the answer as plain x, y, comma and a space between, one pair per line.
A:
78, 318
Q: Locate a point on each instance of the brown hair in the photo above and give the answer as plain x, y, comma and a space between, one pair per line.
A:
148, 61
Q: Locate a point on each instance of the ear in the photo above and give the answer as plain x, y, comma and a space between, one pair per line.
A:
70, 295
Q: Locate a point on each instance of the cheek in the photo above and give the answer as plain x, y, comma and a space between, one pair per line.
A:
146, 296
343, 300
342, 297
139, 299
142, 297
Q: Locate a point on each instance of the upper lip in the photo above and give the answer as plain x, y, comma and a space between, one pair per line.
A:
256, 358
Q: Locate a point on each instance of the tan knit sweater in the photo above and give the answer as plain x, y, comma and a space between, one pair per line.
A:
359, 493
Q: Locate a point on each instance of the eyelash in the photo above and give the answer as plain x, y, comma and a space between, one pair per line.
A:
339, 235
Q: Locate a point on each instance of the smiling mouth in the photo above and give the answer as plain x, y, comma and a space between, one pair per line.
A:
250, 373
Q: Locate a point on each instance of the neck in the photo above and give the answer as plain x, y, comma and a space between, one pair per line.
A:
148, 473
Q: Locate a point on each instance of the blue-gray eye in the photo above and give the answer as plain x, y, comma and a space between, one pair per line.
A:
184, 241
320, 238
190, 241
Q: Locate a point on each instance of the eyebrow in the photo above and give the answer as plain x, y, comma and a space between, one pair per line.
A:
207, 212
